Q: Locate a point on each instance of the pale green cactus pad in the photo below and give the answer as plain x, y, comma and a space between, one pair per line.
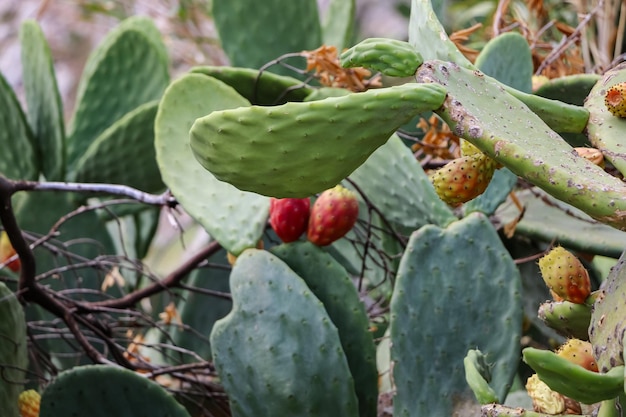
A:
338, 23
234, 218
299, 149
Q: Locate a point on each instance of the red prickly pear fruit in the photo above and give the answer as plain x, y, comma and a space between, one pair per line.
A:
289, 217
28, 403
615, 100
333, 214
7, 251
464, 178
565, 275
580, 353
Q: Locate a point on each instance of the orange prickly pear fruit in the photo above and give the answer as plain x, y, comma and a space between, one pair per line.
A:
615, 100
289, 217
464, 178
28, 403
7, 251
565, 275
579, 352
333, 214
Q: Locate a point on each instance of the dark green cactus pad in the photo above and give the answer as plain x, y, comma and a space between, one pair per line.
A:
548, 219
18, 159
479, 110
332, 285
299, 149
573, 380
278, 352
428, 36
478, 375
508, 59
338, 23
571, 89
124, 153
198, 312
265, 89
396, 183
234, 218
13, 351
605, 131
456, 289
568, 319
253, 33
499, 188
45, 109
101, 390
388, 56
128, 69
607, 328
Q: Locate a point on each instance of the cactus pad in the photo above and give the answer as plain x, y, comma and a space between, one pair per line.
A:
508, 59
456, 289
299, 149
388, 56
104, 391
338, 23
235, 218
277, 352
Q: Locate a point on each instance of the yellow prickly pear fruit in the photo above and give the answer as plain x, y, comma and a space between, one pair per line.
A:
579, 352
565, 275
28, 403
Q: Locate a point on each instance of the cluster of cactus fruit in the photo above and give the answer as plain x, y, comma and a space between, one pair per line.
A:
433, 325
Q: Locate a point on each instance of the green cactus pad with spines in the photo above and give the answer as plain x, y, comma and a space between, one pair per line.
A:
102, 390
45, 109
124, 153
299, 149
338, 23
477, 377
455, 289
13, 351
396, 183
607, 321
234, 218
128, 71
326, 92
389, 56
499, 188
478, 110
253, 33
18, 159
571, 89
508, 59
263, 90
332, 285
428, 36
573, 380
605, 131
547, 219
199, 312
568, 319
278, 352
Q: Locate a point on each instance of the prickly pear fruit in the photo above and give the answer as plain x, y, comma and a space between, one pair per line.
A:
28, 403
464, 179
289, 217
580, 353
565, 275
7, 251
591, 154
615, 100
544, 399
333, 214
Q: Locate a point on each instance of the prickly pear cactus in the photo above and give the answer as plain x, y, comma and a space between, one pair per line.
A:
388, 56
13, 351
278, 352
456, 287
101, 390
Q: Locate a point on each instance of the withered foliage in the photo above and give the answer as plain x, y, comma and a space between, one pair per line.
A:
438, 141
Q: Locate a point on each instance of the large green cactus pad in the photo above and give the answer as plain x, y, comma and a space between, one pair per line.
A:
338, 23
128, 69
233, 217
101, 390
330, 282
457, 289
278, 352
18, 159
608, 323
124, 153
508, 59
45, 109
477, 109
605, 131
299, 149
13, 351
